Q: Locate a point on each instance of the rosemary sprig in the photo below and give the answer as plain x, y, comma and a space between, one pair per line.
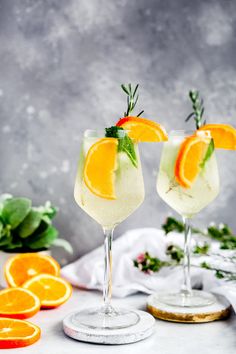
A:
220, 273
132, 99
221, 233
198, 109
149, 265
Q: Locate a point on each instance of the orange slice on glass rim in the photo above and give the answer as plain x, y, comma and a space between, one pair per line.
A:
142, 129
52, 291
24, 266
99, 168
17, 333
18, 303
224, 135
188, 162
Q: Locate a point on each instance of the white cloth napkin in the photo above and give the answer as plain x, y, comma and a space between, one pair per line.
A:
88, 271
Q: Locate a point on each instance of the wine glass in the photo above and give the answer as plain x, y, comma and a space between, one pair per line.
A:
188, 201
129, 189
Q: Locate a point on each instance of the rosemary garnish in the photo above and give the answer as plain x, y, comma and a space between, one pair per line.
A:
132, 99
198, 109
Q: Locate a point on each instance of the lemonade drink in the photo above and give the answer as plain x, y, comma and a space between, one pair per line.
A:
186, 201
129, 188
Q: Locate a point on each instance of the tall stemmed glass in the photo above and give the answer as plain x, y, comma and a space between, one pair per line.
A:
129, 189
188, 200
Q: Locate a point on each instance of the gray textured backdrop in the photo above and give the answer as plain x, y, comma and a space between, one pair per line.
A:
61, 65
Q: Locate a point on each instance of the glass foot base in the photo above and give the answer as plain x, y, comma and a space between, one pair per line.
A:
197, 298
105, 318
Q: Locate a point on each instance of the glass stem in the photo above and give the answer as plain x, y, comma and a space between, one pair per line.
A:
186, 287
107, 286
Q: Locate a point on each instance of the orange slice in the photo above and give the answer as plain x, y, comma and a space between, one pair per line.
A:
17, 333
18, 303
224, 135
187, 165
52, 291
143, 130
24, 266
99, 168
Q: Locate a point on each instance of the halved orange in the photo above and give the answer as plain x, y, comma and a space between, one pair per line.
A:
187, 165
18, 303
17, 333
24, 266
142, 129
52, 291
99, 168
224, 135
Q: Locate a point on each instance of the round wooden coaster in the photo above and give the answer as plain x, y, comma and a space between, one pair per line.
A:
143, 329
217, 311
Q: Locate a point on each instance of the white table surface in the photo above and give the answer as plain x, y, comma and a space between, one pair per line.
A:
169, 338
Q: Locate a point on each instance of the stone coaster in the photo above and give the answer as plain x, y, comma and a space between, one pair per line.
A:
143, 329
217, 311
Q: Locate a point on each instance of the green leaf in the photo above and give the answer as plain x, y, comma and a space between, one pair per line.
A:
13, 244
173, 224
3, 198
29, 224
59, 242
201, 249
209, 152
124, 89
126, 145
42, 240
1, 228
15, 210
47, 210
4, 241
175, 252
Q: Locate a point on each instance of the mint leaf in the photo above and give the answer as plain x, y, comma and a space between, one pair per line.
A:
114, 132
29, 224
15, 210
209, 152
125, 143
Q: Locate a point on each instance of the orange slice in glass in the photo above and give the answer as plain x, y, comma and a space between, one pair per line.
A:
99, 168
24, 266
187, 165
18, 303
52, 291
224, 135
17, 333
143, 130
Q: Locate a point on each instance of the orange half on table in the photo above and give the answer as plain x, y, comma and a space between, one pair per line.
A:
142, 129
18, 303
17, 333
52, 291
224, 135
24, 266
99, 168
187, 165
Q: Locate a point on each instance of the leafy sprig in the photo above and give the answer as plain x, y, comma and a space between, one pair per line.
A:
132, 99
148, 264
24, 228
125, 144
221, 232
220, 273
198, 109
